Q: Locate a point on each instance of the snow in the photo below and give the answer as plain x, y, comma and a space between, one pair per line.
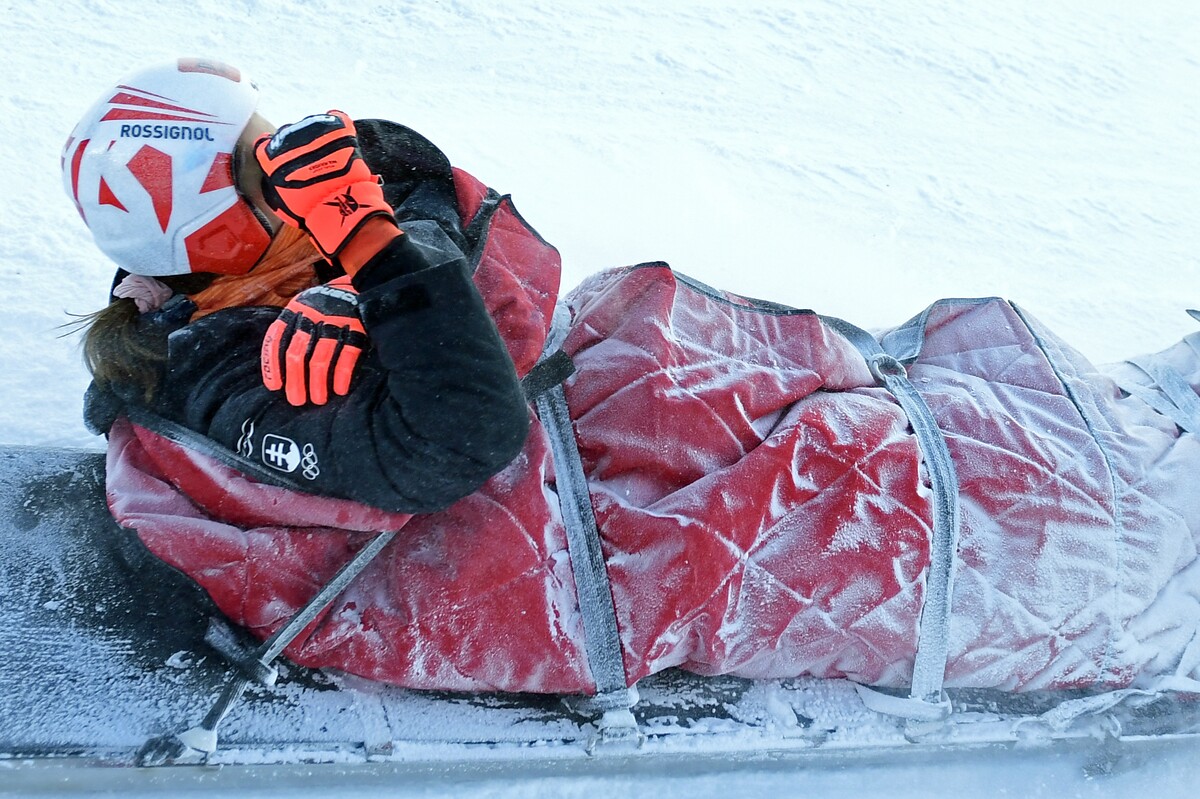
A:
860, 158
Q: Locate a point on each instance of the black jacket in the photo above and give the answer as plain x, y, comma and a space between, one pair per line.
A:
436, 407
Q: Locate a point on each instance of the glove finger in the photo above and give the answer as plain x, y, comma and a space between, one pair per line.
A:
295, 359
347, 122
344, 371
309, 135
263, 155
274, 344
318, 369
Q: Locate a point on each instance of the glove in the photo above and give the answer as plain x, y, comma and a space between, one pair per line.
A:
315, 343
316, 179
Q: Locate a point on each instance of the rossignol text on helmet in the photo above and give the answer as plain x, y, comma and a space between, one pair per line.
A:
150, 168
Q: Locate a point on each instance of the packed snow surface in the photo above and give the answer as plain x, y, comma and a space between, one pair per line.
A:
861, 159
858, 158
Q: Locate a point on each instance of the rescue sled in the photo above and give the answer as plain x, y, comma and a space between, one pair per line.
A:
737, 530
104, 649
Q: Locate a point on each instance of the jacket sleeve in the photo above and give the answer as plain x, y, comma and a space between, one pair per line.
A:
454, 412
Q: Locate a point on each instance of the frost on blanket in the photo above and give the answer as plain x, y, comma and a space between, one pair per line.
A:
763, 511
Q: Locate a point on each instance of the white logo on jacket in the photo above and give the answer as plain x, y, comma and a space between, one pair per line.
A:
311, 470
280, 453
245, 444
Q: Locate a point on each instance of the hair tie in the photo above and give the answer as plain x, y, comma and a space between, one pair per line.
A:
148, 293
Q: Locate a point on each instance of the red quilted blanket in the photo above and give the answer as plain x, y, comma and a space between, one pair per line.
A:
763, 507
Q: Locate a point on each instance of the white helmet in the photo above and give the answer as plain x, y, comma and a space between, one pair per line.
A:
150, 168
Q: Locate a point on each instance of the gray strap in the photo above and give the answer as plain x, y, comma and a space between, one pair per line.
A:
602, 641
234, 647
202, 738
281, 638
345, 575
1177, 401
933, 643
1155, 400
548, 372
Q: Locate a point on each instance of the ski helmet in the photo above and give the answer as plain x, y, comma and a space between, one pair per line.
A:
150, 168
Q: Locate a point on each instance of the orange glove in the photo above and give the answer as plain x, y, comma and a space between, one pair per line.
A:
328, 316
317, 180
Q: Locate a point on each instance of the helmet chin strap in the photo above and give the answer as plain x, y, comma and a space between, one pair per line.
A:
261, 217
266, 223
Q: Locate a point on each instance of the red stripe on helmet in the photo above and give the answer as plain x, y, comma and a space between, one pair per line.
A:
131, 114
125, 98
76, 160
108, 198
220, 175
152, 168
143, 91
